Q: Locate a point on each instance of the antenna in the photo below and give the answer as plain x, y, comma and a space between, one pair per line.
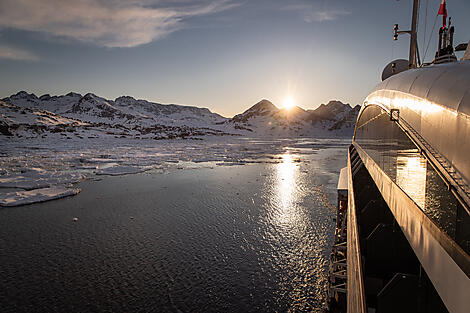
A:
445, 47
413, 56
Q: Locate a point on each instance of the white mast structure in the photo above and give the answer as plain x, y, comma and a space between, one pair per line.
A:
413, 56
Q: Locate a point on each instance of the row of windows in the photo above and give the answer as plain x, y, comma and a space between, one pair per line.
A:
399, 158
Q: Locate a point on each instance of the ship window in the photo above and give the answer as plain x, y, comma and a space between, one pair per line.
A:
400, 159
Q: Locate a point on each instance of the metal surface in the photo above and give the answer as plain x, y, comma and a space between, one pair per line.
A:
356, 298
436, 252
467, 53
395, 67
435, 102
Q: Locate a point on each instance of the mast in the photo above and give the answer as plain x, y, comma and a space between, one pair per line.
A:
413, 58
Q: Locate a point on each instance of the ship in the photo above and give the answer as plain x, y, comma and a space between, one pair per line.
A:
402, 236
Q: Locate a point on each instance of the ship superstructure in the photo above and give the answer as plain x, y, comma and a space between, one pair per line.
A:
402, 242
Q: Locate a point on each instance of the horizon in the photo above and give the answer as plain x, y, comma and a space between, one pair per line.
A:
218, 54
279, 106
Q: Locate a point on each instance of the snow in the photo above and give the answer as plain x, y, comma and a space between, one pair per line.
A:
23, 197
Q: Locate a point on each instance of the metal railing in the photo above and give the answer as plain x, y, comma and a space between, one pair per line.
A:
454, 181
356, 301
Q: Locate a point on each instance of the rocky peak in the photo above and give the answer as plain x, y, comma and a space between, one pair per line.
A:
335, 105
73, 95
24, 95
263, 106
331, 111
125, 98
89, 97
45, 97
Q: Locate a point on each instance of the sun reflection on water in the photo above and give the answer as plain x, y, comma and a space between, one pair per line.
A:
287, 172
296, 228
296, 237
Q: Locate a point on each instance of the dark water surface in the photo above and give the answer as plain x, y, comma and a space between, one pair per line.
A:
251, 238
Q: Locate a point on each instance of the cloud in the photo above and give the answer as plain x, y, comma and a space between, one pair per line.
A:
13, 53
324, 15
311, 14
109, 23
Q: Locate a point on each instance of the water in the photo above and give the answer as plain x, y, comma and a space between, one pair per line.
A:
245, 238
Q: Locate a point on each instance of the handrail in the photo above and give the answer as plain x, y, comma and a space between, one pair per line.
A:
356, 296
451, 178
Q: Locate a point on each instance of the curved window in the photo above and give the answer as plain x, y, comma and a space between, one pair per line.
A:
392, 150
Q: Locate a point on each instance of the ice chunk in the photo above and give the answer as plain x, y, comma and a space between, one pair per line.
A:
121, 170
228, 163
17, 198
38, 178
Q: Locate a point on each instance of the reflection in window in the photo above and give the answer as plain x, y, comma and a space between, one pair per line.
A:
400, 159
411, 175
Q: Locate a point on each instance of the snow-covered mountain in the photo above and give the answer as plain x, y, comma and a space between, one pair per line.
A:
96, 116
264, 118
74, 115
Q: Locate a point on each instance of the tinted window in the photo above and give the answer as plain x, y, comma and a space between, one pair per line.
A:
399, 158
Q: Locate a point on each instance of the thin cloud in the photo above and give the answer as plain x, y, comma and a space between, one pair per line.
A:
13, 53
111, 23
310, 14
324, 15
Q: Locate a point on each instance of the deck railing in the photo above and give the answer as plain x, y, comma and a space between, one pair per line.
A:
356, 296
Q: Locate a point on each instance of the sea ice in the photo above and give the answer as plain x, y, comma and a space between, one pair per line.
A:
22, 197
121, 170
34, 178
33, 164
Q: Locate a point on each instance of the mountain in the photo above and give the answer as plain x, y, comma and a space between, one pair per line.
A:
122, 117
331, 111
124, 110
75, 115
264, 118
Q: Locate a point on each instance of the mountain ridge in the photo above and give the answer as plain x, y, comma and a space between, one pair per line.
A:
126, 116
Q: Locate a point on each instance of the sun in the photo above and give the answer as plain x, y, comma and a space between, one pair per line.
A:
289, 103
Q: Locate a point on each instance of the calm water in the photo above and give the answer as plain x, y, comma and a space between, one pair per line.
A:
246, 238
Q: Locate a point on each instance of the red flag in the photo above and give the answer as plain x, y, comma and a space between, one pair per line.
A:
443, 12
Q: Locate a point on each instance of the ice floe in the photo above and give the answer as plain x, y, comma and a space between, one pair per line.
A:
22, 197
34, 178
121, 170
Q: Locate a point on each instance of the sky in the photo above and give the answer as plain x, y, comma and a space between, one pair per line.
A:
225, 55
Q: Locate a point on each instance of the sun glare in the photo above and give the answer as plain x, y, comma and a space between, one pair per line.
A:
289, 103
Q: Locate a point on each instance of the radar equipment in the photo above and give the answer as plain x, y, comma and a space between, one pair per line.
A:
394, 67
